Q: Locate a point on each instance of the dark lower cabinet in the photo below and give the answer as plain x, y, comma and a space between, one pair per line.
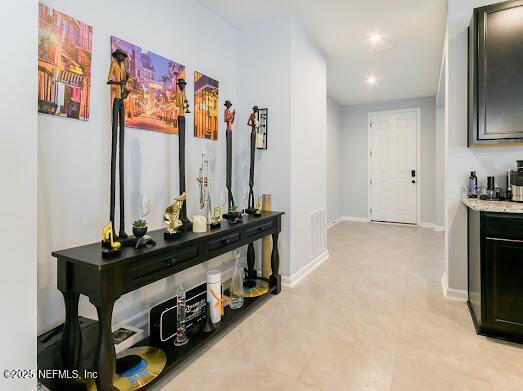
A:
496, 274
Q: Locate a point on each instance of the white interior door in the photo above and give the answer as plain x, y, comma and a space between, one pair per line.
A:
393, 166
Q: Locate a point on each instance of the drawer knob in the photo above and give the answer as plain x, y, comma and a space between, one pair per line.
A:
171, 261
260, 229
226, 242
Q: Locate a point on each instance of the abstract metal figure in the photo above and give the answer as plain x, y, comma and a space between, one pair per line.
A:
172, 215
117, 79
182, 104
228, 117
253, 123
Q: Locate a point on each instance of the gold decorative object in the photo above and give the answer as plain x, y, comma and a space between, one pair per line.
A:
172, 215
258, 207
217, 216
107, 237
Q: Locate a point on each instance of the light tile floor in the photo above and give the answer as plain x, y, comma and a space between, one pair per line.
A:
372, 317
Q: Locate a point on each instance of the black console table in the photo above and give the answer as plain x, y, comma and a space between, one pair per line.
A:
82, 270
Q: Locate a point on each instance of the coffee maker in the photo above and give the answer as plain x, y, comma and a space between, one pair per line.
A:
515, 179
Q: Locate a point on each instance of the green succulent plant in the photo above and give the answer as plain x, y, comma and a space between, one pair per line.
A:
140, 223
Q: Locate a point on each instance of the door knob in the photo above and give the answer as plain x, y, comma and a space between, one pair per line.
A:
413, 181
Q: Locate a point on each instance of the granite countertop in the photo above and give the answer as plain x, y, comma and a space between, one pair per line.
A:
493, 206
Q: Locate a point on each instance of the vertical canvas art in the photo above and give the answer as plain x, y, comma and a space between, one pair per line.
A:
64, 64
205, 107
152, 87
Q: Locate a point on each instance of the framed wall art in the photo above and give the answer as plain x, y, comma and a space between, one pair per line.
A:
152, 87
205, 106
64, 64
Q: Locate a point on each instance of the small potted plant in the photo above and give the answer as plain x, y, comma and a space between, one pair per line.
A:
139, 228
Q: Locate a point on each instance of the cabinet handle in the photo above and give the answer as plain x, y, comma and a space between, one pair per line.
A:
226, 242
171, 261
505, 240
260, 229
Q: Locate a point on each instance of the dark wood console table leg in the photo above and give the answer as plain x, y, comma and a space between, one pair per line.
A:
251, 272
105, 357
71, 335
275, 279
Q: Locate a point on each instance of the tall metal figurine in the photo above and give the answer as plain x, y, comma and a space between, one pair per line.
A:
228, 117
182, 104
117, 79
253, 123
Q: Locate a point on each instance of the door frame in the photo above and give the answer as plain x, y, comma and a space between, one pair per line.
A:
416, 110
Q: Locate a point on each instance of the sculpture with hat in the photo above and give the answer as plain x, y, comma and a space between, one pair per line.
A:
228, 117
182, 105
253, 123
117, 79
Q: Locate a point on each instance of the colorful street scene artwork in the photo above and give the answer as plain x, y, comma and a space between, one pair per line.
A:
64, 64
205, 107
152, 87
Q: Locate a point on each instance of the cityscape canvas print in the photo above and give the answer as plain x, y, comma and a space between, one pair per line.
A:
64, 64
205, 107
152, 82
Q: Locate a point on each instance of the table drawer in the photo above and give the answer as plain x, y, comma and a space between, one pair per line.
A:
150, 270
220, 245
506, 225
260, 230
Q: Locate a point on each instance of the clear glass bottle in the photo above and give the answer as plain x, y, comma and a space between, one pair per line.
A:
236, 290
181, 336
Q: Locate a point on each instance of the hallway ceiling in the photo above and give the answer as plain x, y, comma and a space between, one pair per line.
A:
341, 28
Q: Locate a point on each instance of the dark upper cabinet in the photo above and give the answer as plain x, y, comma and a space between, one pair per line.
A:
496, 74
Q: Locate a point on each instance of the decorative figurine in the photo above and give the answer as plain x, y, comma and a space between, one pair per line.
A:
253, 123
182, 104
172, 218
110, 247
117, 79
228, 117
181, 315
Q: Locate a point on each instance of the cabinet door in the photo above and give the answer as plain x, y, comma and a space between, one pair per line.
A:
499, 72
504, 285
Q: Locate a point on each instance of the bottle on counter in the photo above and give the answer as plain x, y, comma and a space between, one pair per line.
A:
472, 189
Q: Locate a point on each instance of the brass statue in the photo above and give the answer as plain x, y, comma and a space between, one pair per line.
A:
172, 215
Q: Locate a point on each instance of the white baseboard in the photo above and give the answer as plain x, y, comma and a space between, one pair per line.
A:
439, 228
332, 223
450, 293
427, 225
297, 277
356, 219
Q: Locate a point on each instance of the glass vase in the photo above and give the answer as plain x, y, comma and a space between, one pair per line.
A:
236, 291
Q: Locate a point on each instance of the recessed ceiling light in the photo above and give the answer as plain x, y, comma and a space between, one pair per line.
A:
375, 38
371, 80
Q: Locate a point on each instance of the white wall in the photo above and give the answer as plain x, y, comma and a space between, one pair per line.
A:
308, 142
334, 154
18, 152
264, 73
288, 75
461, 160
74, 156
355, 149
440, 168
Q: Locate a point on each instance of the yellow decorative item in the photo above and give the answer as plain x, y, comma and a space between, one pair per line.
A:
172, 215
108, 236
217, 217
219, 302
258, 208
